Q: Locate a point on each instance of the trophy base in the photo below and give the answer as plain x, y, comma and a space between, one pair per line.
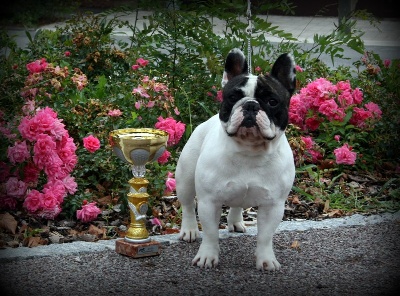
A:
137, 250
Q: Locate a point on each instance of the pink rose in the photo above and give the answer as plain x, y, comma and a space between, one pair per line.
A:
297, 110
357, 96
374, 108
91, 143
142, 62
345, 98
343, 85
312, 123
328, 108
67, 53
37, 66
57, 189
49, 213
53, 167
88, 213
28, 129
70, 184
308, 141
298, 68
150, 104
360, 116
174, 129
114, 113
44, 144
163, 159
170, 183
141, 91
155, 221
344, 155
50, 200
33, 201
18, 153
135, 67
219, 96
15, 187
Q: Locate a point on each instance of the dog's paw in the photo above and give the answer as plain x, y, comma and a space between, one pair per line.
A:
236, 227
189, 235
206, 258
268, 264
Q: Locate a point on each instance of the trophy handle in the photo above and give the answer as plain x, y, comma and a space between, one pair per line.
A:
138, 216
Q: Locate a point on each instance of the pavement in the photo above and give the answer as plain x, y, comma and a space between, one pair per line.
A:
382, 38
355, 256
80, 247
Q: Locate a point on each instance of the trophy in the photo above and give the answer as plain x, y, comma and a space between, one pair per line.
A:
137, 147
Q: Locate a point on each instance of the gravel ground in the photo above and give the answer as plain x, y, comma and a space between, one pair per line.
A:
349, 260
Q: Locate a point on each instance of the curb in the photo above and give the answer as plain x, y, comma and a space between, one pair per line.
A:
81, 247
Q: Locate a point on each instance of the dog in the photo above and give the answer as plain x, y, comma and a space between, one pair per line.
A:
239, 158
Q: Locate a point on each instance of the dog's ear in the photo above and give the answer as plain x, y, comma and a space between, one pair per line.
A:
285, 72
235, 64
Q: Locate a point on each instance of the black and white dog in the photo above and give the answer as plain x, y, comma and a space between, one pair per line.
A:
240, 158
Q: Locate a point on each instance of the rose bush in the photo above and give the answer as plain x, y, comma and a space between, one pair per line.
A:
330, 115
42, 157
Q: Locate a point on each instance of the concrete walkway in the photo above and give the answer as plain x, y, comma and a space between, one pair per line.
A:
386, 33
358, 258
382, 39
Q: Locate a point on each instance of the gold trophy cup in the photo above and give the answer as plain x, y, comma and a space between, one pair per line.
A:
137, 147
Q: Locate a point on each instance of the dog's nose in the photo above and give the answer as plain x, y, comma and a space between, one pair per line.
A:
251, 106
250, 110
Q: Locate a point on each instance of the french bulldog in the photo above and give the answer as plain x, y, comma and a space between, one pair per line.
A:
239, 158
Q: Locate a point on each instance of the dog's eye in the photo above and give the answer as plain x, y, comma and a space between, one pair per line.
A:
272, 102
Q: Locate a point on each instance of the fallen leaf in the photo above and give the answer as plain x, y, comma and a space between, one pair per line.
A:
99, 232
33, 241
296, 200
295, 245
8, 222
106, 200
335, 213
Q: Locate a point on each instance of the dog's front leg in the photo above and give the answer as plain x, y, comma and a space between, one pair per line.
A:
209, 215
268, 219
189, 228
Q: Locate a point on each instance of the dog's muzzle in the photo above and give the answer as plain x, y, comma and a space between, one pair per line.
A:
250, 110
